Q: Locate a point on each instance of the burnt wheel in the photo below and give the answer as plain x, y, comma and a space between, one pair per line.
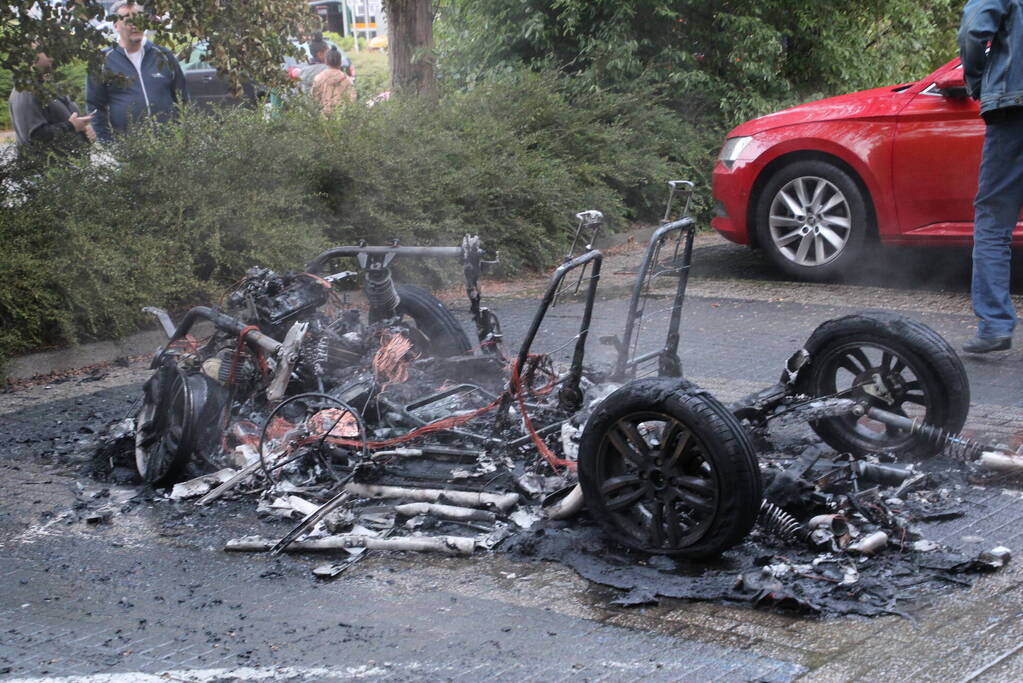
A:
666, 469
444, 334
164, 434
887, 361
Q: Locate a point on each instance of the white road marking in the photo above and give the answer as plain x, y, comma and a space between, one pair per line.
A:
245, 673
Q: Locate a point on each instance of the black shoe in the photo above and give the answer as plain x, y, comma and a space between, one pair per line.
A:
987, 344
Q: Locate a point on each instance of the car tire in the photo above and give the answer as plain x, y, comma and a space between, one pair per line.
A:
812, 221
666, 469
444, 334
921, 376
166, 432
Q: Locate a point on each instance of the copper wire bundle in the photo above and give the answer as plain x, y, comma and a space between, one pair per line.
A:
333, 420
390, 365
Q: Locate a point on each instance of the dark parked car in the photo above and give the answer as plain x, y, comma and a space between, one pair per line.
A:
205, 86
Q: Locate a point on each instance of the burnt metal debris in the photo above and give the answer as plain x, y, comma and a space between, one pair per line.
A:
377, 425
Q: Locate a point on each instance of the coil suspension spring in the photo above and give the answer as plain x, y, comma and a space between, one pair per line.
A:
381, 293
776, 522
952, 444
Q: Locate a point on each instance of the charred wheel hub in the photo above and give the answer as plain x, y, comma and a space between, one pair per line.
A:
880, 384
888, 362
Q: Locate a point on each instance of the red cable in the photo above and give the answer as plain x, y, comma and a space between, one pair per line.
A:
457, 420
316, 278
548, 455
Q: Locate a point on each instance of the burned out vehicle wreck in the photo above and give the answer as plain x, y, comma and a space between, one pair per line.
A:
361, 409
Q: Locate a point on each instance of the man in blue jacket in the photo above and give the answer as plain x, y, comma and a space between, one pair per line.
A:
991, 49
139, 80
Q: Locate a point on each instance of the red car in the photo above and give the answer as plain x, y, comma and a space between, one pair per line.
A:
815, 186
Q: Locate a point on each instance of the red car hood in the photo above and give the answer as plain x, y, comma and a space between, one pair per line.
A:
865, 104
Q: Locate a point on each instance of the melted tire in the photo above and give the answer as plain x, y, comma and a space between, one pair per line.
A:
701, 471
164, 436
444, 332
924, 376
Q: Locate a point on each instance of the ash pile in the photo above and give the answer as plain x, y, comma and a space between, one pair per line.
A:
377, 425
835, 536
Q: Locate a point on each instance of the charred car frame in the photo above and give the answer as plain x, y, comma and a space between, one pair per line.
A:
294, 374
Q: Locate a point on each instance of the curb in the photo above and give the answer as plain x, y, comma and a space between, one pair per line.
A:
80, 356
83, 355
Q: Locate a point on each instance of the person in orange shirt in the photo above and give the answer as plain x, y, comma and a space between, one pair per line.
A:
332, 86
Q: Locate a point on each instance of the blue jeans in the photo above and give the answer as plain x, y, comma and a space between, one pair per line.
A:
996, 210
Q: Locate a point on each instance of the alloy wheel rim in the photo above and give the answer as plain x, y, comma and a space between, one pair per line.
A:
810, 221
656, 482
881, 377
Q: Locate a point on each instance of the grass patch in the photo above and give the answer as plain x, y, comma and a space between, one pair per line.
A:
371, 72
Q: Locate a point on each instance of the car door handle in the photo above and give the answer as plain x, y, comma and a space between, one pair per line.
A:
208, 78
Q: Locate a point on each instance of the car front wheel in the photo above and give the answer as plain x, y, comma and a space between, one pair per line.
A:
812, 220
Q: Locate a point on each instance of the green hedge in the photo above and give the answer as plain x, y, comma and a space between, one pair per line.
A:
5, 92
185, 209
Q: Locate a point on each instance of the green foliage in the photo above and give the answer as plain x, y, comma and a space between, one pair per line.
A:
6, 84
182, 211
721, 60
186, 208
371, 74
346, 43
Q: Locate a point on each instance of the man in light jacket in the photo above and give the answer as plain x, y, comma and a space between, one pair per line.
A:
139, 80
991, 49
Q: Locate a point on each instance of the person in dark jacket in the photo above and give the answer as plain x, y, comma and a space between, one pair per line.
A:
57, 128
139, 80
318, 49
991, 51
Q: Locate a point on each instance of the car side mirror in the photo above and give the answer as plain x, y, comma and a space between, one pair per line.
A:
951, 84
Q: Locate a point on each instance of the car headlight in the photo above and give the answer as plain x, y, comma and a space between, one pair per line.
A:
732, 149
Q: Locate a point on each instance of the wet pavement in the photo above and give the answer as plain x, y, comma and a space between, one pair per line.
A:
151, 592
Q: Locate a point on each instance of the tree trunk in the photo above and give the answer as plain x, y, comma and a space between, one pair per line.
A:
410, 42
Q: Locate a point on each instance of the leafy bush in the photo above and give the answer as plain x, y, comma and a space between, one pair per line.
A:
724, 61
5, 90
346, 43
371, 73
186, 208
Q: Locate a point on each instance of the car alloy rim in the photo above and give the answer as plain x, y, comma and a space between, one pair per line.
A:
810, 221
656, 481
875, 374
